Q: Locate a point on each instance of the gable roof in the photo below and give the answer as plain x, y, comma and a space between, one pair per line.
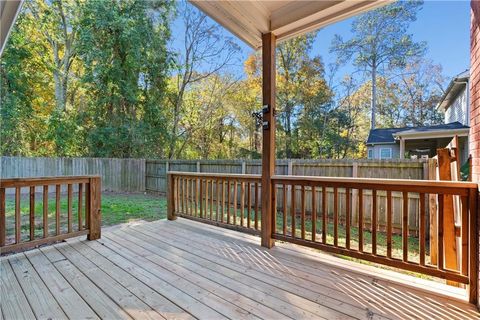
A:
387, 135
457, 84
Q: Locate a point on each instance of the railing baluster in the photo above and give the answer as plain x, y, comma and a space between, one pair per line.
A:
57, 209
17, 215
335, 217
256, 205
32, 213
293, 213
87, 204
2, 217
196, 197
284, 209
314, 213
389, 224
242, 202
440, 231
217, 207
211, 199
274, 208
45, 211
223, 201
80, 195
189, 201
200, 181
405, 226
228, 201
464, 234
69, 204
374, 221
177, 195
183, 194
348, 215
249, 203
235, 194
360, 220
324, 214
303, 211
422, 228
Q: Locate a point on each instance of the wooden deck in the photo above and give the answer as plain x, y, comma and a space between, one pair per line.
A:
184, 270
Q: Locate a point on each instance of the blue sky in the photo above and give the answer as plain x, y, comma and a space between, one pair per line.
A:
444, 25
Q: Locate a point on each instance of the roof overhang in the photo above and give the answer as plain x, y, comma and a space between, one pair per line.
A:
8, 14
249, 19
457, 85
433, 134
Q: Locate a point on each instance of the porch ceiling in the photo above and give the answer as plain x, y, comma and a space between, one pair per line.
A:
249, 19
8, 14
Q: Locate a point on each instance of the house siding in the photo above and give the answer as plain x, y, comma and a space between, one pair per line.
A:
376, 150
458, 110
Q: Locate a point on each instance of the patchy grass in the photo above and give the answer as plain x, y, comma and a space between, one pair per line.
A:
116, 208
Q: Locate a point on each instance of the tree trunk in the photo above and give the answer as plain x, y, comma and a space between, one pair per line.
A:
374, 95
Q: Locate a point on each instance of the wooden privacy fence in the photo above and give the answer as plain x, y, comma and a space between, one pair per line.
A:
27, 227
233, 201
118, 175
389, 169
156, 170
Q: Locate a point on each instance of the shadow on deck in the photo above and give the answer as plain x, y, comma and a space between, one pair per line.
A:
184, 269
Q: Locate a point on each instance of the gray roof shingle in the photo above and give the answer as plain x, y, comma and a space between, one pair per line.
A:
387, 135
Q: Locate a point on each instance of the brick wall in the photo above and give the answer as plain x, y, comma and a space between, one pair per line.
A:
475, 89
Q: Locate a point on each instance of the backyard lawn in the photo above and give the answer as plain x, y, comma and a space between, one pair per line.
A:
116, 208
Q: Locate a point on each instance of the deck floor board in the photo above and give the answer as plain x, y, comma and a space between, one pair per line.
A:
185, 270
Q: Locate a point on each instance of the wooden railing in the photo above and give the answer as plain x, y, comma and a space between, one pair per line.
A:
25, 228
231, 201
302, 215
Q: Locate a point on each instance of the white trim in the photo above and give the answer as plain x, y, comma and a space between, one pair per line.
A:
444, 133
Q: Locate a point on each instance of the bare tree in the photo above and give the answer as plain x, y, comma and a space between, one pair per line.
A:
206, 51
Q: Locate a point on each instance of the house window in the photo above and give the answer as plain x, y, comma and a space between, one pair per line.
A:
370, 154
386, 153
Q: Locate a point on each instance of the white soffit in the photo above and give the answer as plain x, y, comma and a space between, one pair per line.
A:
249, 19
9, 10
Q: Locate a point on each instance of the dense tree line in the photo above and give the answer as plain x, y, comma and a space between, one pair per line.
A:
101, 78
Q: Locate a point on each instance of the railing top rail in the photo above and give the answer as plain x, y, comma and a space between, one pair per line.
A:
216, 175
377, 182
380, 182
35, 181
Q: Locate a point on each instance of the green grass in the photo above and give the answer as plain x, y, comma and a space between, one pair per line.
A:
116, 208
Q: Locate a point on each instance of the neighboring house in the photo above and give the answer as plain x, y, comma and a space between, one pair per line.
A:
422, 142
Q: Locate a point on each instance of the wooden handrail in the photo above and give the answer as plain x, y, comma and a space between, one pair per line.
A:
397, 183
217, 175
47, 180
87, 211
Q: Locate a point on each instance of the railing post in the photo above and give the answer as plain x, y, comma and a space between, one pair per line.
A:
170, 197
268, 150
94, 205
474, 199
